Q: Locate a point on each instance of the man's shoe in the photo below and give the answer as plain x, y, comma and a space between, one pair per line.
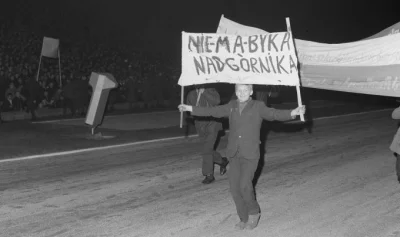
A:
398, 179
253, 221
222, 168
208, 179
240, 226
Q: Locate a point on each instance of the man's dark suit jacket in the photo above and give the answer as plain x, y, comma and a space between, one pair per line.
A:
244, 128
205, 125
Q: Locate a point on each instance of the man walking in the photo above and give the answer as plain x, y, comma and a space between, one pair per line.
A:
243, 150
208, 129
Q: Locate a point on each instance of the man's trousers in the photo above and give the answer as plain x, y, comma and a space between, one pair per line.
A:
240, 174
210, 156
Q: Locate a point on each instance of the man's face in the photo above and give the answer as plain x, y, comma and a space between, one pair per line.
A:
243, 92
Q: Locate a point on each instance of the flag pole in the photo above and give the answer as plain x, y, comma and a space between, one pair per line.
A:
182, 95
300, 103
59, 65
40, 62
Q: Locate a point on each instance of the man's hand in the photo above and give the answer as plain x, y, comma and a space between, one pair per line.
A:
183, 108
298, 111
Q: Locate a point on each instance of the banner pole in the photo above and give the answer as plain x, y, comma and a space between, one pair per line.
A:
300, 103
182, 95
59, 66
40, 62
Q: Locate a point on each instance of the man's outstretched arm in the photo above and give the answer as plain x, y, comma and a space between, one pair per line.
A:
272, 114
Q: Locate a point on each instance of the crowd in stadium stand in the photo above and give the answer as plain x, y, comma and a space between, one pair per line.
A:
142, 77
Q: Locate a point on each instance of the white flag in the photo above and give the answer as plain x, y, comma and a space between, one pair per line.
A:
50, 47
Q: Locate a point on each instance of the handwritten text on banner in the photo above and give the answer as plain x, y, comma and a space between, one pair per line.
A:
255, 59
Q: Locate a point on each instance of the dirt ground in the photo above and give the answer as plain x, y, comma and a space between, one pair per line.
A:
23, 138
337, 181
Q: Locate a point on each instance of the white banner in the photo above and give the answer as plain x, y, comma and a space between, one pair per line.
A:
255, 59
394, 29
373, 52
377, 51
227, 26
369, 66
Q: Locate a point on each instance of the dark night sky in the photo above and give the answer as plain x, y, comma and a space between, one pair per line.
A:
158, 23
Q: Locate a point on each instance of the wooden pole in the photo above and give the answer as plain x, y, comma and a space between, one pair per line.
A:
182, 95
300, 103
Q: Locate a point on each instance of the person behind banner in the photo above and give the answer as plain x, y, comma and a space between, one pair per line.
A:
243, 151
395, 146
208, 129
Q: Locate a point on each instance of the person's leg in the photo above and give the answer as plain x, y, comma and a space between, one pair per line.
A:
32, 109
234, 187
217, 158
207, 155
247, 170
221, 161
